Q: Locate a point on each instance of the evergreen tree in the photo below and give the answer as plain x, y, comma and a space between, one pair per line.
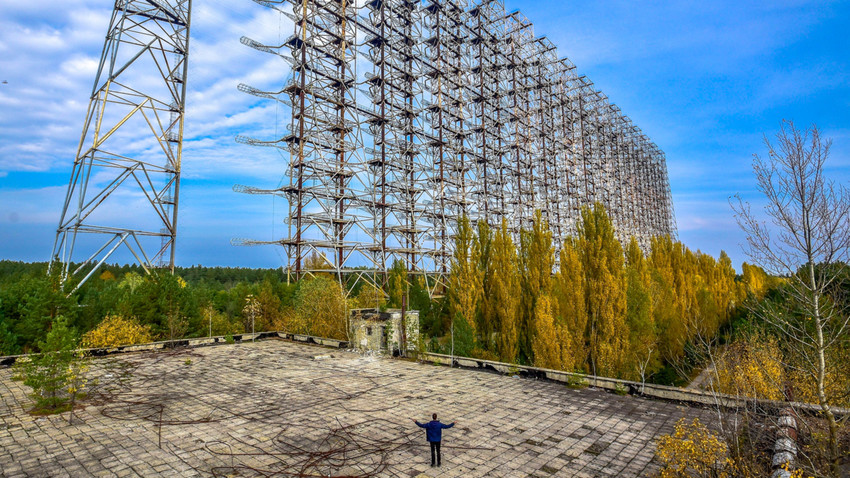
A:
49, 372
8, 340
37, 301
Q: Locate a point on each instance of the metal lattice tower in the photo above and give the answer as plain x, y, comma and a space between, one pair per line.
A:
408, 114
115, 165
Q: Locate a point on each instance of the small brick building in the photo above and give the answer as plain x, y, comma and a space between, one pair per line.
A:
381, 331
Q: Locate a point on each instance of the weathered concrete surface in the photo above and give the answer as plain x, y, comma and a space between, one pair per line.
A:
274, 406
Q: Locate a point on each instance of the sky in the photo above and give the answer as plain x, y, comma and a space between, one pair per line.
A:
706, 81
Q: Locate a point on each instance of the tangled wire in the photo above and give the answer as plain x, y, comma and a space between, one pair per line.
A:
135, 388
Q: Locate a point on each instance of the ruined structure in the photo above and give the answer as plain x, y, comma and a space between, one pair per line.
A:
408, 114
372, 329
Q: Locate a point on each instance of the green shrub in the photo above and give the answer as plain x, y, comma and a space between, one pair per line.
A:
576, 381
621, 389
56, 373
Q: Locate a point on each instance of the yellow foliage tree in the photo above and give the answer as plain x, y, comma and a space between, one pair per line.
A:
643, 341
368, 297
692, 451
320, 308
131, 280
568, 291
315, 261
605, 291
465, 277
546, 346
724, 289
268, 307
116, 330
751, 367
505, 293
218, 323
486, 316
397, 283
537, 258
755, 280
836, 381
696, 291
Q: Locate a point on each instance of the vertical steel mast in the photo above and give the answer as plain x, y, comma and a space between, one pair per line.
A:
125, 181
456, 109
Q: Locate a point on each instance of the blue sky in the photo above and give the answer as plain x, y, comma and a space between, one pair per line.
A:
705, 81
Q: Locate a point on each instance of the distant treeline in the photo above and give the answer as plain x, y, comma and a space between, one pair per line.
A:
609, 309
226, 277
30, 299
195, 301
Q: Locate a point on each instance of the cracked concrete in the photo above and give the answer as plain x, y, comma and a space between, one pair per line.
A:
270, 407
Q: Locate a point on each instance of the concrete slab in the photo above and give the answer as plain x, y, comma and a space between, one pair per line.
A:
269, 408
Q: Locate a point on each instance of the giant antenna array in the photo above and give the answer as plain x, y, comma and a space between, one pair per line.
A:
125, 181
408, 114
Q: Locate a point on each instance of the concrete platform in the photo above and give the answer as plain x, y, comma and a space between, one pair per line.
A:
274, 408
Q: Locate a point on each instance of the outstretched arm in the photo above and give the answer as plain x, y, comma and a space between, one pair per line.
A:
417, 423
449, 425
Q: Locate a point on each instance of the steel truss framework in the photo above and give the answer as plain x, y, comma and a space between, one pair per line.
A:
144, 36
407, 114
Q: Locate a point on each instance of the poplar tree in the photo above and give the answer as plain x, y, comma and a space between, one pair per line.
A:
668, 315
642, 335
546, 345
396, 283
568, 292
504, 294
537, 260
755, 280
605, 295
724, 286
485, 318
465, 278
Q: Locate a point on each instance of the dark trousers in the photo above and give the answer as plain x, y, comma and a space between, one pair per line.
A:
435, 452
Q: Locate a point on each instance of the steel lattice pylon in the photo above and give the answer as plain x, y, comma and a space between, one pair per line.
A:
408, 114
114, 166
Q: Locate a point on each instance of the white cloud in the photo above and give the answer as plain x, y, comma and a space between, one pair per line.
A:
678, 73
82, 66
51, 60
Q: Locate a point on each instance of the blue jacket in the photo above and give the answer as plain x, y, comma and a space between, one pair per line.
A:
434, 430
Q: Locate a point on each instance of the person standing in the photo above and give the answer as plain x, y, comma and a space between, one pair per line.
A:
434, 435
